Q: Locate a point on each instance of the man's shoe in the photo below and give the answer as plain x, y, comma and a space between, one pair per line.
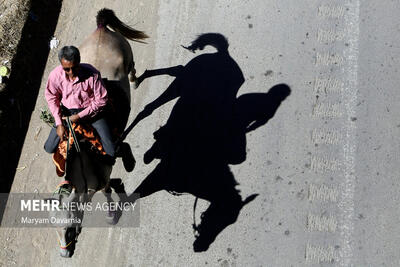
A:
125, 152
109, 160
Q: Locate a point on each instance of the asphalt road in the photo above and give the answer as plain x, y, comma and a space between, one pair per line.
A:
325, 166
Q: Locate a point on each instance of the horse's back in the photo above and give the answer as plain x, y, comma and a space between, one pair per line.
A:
109, 52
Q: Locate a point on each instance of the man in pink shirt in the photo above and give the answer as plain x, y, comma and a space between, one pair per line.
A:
76, 90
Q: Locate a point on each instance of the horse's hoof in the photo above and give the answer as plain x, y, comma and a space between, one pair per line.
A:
200, 245
111, 217
136, 83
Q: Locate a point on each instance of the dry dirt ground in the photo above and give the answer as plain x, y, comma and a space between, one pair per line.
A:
12, 19
24, 47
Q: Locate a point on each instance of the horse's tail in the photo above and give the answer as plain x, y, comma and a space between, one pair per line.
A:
216, 40
106, 17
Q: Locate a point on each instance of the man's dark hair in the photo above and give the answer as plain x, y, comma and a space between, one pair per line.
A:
69, 53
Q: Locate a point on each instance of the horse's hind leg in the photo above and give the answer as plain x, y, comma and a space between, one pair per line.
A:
107, 192
90, 195
132, 72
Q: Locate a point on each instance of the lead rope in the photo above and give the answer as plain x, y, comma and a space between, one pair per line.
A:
66, 157
78, 150
71, 129
195, 226
60, 190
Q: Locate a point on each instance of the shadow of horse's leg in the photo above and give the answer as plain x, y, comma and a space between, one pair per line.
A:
153, 183
221, 213
224, 208
172, 71
217, 217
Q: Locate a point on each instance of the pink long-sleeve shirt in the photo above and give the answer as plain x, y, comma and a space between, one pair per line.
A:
86, 91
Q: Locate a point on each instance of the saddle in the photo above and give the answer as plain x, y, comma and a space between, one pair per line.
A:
85, 131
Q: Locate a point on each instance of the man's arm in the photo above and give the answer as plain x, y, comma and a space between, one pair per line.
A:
99, 100
53, 97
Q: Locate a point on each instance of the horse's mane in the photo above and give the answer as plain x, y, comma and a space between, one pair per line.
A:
216, 40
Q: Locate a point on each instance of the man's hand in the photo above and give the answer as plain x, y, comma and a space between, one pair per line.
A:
61, 131
73, 118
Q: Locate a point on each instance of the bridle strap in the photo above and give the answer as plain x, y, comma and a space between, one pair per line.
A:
64, 247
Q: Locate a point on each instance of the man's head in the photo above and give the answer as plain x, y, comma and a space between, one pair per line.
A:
70, 58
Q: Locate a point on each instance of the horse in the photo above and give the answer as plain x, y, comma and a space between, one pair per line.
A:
109, 52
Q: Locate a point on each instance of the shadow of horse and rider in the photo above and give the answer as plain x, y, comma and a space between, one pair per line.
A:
205, 132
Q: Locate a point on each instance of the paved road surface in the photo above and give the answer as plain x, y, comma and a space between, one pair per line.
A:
325, 166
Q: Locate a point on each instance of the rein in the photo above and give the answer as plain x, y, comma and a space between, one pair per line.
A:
72, 132
64, 247
78, 150
194, 225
